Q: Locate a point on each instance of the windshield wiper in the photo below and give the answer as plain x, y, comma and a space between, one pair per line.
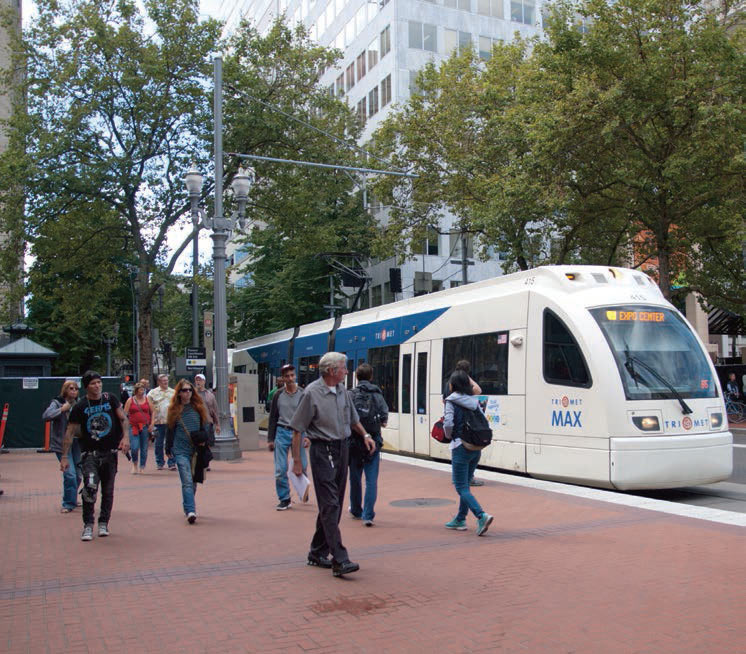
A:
628, 364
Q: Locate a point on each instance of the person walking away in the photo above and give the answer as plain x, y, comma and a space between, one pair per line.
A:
327, 416
476, 389
463, 460
139, 412
374, 414
160, 398
280, 436
58, 413
99, 424
186, 417
211, 404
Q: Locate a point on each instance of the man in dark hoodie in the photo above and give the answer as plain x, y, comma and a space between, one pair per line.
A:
374, 414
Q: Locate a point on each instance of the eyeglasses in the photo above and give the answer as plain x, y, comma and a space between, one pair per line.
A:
185, 390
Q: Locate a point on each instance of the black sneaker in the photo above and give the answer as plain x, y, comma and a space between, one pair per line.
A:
284, 505
344, 568
318, 561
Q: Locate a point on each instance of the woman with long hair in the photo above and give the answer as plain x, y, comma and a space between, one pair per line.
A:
186, 414
58, 413
464, 460
139, 411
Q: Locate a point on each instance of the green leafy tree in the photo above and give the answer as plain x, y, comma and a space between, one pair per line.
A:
117, 110
276, 107
643, 117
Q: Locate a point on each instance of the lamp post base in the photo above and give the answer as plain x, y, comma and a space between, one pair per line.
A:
226, 450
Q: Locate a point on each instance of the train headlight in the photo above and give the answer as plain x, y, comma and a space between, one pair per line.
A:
716, 420
647, 423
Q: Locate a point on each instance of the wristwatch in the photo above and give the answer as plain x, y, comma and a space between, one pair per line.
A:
367, 436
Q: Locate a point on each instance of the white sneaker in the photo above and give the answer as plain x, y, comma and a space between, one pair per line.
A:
191, 517
87, 533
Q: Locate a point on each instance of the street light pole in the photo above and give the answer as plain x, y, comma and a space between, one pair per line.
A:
226, 443
195, 290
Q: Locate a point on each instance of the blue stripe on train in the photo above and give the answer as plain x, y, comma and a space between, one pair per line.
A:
381, 333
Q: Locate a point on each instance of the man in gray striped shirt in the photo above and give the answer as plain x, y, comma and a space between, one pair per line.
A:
327, 416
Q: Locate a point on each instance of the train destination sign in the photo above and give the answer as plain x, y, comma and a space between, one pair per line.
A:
636, 316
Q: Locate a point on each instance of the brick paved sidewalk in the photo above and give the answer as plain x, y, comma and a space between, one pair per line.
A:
555, 573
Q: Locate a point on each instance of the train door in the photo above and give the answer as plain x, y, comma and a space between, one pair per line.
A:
421, 405
407, 414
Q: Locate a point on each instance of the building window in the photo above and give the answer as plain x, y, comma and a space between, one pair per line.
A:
463, 5
360, 65
350, 77
373, 101
455, 40
429, 244
492, 8
362, 116
375, 300
456, 245
385, 41
485, 48
522, 11
373, 49
341, 85
423, 36
388, 296
386, 91
414, 88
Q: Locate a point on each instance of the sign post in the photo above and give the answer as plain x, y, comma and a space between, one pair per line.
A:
195, 360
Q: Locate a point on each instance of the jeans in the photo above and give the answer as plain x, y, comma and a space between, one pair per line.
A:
463, 464
98, 467
283, 440
329, 468
160, 440
71, 477
139, 446
370, 468
188, 487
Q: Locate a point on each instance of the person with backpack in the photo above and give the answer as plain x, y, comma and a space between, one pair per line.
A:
461, 412
374, 414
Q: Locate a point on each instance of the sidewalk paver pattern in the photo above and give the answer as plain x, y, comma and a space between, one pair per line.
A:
554, 573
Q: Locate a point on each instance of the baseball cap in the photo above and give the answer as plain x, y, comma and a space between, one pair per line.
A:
200, 376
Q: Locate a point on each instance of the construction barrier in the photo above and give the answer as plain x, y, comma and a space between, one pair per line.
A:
3, 423
47, 432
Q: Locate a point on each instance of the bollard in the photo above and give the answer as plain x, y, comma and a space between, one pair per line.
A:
47, 430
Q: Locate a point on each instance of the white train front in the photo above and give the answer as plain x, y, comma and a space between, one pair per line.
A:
588, 375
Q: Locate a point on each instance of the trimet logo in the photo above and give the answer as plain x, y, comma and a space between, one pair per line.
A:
686, 423
384, 334
564, 417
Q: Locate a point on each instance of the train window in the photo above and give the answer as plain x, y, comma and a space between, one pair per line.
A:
406, 384
563, 361
385, 363
263, 384
308, 370
487, 355
422, 383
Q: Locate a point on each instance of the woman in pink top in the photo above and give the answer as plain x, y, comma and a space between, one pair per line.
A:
139, 411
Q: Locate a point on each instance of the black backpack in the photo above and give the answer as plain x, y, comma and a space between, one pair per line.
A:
365, 405
475, 432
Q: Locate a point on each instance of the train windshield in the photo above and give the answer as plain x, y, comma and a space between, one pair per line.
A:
656, 353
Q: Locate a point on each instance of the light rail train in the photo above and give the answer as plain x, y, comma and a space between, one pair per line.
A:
588, 375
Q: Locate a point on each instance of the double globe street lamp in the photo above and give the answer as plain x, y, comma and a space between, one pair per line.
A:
226, 443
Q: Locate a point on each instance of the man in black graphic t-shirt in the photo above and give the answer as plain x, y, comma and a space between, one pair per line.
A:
99, 423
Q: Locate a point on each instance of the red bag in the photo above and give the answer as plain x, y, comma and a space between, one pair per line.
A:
438, 433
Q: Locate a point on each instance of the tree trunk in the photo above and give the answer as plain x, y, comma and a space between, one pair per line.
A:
145, 336
664, 272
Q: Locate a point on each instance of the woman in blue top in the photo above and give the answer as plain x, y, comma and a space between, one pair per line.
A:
463, 460
186, 414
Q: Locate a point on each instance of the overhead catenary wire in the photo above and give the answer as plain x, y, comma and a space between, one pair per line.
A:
348, 144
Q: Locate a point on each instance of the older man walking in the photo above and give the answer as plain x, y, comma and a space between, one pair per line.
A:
327, 416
